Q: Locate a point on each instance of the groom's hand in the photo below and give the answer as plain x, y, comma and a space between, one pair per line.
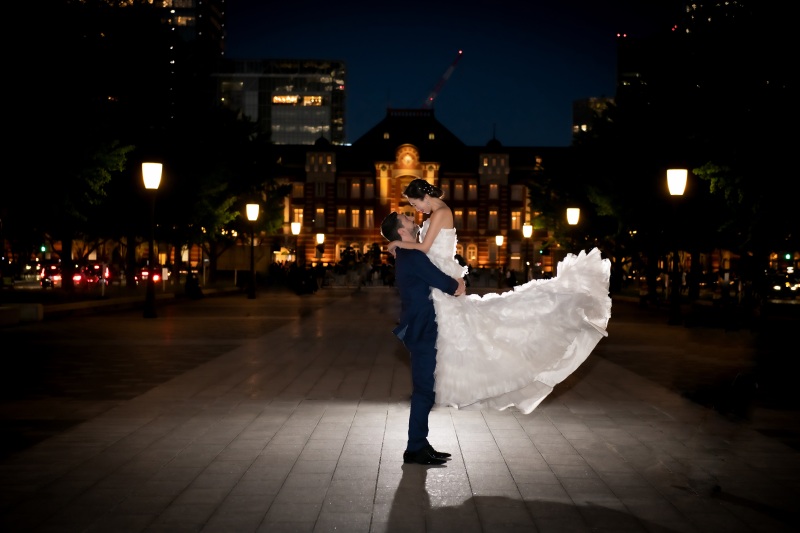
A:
462, 287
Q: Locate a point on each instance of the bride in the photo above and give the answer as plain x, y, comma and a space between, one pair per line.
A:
508, 349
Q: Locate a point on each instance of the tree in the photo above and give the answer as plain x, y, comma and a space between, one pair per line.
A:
67, 203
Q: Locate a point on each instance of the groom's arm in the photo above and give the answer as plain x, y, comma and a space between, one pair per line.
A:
434, 277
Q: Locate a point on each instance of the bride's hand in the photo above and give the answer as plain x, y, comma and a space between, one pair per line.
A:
392, 248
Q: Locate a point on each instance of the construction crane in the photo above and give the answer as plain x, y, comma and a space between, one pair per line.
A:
435, 92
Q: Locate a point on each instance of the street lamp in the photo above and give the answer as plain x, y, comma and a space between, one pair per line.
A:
527, 232
676, 182
295, 232
498, 240
320, 245
252, 216
573, 215
151, 174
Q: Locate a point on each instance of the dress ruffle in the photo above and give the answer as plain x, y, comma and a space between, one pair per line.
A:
510, 349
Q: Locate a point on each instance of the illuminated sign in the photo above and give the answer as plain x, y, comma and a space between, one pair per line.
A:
296, 99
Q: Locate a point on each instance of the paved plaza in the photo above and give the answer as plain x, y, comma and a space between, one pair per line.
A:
288, 413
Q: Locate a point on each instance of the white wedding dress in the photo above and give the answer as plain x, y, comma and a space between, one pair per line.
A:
510, 349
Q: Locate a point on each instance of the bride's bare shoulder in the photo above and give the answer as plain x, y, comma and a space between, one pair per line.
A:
443, 216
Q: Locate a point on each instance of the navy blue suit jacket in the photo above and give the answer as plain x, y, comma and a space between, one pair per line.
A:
414, 276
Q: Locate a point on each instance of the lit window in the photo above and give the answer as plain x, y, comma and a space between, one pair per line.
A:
341, 218
516, 220
369, 218
355, 215
472, 191
492, 219
458, 218
472, 220
459, 194
386, 135
431, 136
355, 190
319, 218
472, 253
297, 215
298, 190
494, 191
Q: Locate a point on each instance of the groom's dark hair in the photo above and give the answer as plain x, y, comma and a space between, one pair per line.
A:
389, 227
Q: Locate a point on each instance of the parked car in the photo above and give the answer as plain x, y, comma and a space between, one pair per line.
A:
50, 276
101, 271
83, 277
783, 287
143, 274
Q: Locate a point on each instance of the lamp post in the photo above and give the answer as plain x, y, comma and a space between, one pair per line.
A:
151, 174
498, 240
252, 216
295, 232
573, 215
527, 232
676, 182
320, 246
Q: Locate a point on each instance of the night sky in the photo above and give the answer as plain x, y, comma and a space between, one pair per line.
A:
523, 63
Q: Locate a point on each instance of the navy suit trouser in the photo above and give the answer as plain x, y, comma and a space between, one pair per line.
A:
423, 365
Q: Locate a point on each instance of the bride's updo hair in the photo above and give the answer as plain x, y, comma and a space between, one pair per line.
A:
418, 188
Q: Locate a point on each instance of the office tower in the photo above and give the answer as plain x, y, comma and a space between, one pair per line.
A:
294, 101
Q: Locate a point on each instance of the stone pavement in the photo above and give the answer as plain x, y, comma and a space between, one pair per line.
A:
288, 413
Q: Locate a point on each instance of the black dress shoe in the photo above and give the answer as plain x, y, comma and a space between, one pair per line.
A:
437, 454
422, 457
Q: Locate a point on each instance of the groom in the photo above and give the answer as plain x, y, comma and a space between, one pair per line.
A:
414, 277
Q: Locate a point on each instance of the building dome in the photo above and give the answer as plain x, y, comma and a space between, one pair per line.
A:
322, 142
494, 144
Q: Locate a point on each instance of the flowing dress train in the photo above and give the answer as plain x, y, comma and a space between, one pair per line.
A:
510, 349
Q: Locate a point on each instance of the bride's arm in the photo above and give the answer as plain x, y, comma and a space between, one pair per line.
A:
438, 220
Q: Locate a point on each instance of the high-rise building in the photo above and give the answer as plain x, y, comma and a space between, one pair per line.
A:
196, 46
293, 101
197, 21
586, 112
